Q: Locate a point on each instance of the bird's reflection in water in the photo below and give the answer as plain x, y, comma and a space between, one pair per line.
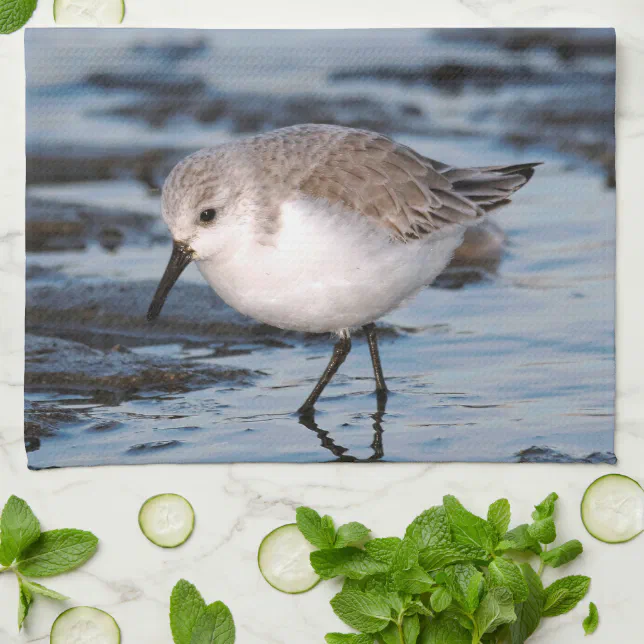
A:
340, 452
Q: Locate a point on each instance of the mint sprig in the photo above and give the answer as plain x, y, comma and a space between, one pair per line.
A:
450, 580
194, 622
28, 552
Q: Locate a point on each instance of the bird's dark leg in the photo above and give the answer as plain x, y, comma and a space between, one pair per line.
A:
381, 387
340, 352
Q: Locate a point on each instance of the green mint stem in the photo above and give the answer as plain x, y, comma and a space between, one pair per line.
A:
542, 565
401, 634
476, 637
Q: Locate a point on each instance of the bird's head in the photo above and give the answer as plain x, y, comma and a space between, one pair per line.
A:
206, 203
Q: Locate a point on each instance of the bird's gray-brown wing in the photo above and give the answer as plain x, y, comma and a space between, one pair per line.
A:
409, 194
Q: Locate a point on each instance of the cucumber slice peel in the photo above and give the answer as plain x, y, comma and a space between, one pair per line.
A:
85, 625
167, 520
89, 13
284, 562
612, 508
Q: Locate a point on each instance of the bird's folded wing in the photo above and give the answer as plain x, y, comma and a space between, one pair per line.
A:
409, 194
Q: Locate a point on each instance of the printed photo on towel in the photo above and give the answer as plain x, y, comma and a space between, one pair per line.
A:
319, 246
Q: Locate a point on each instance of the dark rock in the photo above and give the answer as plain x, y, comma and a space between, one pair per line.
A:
105, 314
538, 454
62, 164
52, 363
57, 226
35, 271
251, 113
166, 84
43, 420
172, 51
409, 109
111, 238
105, 426
66, 232
584, 128
566, 43
153, 446
450, 77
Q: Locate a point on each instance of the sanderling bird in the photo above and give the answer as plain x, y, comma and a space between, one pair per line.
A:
320, 228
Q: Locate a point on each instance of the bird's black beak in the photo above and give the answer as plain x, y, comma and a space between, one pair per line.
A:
181, 256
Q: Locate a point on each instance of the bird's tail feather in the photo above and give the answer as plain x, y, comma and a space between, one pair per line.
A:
489, 187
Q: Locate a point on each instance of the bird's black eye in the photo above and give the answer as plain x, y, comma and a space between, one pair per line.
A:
208, 215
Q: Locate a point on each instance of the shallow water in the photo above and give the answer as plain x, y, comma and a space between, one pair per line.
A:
518, 364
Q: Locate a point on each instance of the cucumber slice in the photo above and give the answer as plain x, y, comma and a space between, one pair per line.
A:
89, 13
283, 560
613, 508
167, 520
85, 625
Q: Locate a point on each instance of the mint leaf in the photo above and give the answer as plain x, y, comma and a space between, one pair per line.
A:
317, 530
562, 554
414, 581
383, 550
405, 556
389, 635
444, 630
366, 612
503, 572
543, 531
37, 589
57, 551
498, 515
439, 557
474, 592
186, 607
464, 581
554, 599
14, 14
351, 534
591, 622
468, 529
440, 600
348, 562
330, 563
24, 602
348, 638
546, 508
353, 584
19, 528
430, 529
382, 583
411, 629
519, 539
576, 587
214, 626
416, 607
463, 620
528, 612
496, 608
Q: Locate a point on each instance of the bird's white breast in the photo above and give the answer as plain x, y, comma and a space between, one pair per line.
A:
325, 269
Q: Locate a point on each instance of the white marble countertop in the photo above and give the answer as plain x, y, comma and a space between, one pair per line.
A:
237, 505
